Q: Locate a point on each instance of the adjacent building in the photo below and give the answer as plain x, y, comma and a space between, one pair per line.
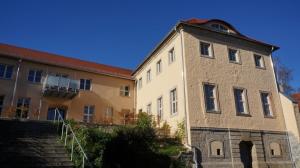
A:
34, 83
205, 74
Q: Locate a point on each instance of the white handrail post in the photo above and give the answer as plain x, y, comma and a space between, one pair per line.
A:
66, 135
54, 116
72, 147
62, 131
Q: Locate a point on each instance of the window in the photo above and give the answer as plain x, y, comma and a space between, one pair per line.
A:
210, 95
275, 149
35, 76
140, 83
171, 56
124, 91
149, 75
160, 107
85, 84
216, 148
109, 112
219, 27
240, 101
140, 110
259, 62
6, 71
233, 55
266, 103
88, 114
173, 101
149, 108
1, 103
158, 67
22, 107
206, 49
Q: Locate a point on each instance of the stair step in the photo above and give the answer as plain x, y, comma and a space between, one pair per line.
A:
31, 144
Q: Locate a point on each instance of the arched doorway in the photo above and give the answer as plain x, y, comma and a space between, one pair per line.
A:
246, 154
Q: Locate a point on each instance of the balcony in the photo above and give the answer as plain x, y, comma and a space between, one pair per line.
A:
60, 87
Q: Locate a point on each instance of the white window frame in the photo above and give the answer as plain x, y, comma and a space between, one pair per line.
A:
237, 55
158, 67
125, 90
149, 108
5, 71
244, 101
261, 61
171, 55
210, 49
160, 107
35, 76
173, 101
85, 84
109, 111
149, 75
22, 107
215, 98
90, 114
269, 104
140, 83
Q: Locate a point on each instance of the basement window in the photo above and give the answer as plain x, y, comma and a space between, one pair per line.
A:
216, 148
275, 149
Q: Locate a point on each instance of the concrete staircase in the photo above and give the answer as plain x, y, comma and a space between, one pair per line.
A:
31, 144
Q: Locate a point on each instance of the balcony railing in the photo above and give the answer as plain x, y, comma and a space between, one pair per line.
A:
56, 86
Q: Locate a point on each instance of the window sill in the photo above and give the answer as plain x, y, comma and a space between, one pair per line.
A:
263, 68
243, 115
173, 114
216, 156
214, 111
208, 56
6, 78
271, 117
235, 62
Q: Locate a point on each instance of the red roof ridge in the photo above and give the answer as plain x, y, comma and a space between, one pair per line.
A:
49, 58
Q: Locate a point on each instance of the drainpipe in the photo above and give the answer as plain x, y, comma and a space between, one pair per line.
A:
16, 82
184, 89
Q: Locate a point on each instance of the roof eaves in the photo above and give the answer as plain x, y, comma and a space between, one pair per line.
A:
156, 48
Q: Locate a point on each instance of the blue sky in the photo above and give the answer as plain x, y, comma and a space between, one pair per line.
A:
122, 33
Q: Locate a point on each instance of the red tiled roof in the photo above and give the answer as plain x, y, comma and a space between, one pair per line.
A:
53, 59
296, 97
196, 21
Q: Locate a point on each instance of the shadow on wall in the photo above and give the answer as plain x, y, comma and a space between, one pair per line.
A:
199, 157
295, 148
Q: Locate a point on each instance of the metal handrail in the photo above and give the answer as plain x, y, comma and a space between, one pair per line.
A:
64, 134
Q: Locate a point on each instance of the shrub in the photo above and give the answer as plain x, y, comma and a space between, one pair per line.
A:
180, 132
133, 147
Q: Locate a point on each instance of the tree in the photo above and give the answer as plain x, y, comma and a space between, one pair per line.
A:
284, 76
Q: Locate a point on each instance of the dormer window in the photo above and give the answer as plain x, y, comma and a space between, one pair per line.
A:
219, 27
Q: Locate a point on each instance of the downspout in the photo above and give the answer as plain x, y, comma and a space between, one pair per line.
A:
286, 132
16, 83
187, 130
